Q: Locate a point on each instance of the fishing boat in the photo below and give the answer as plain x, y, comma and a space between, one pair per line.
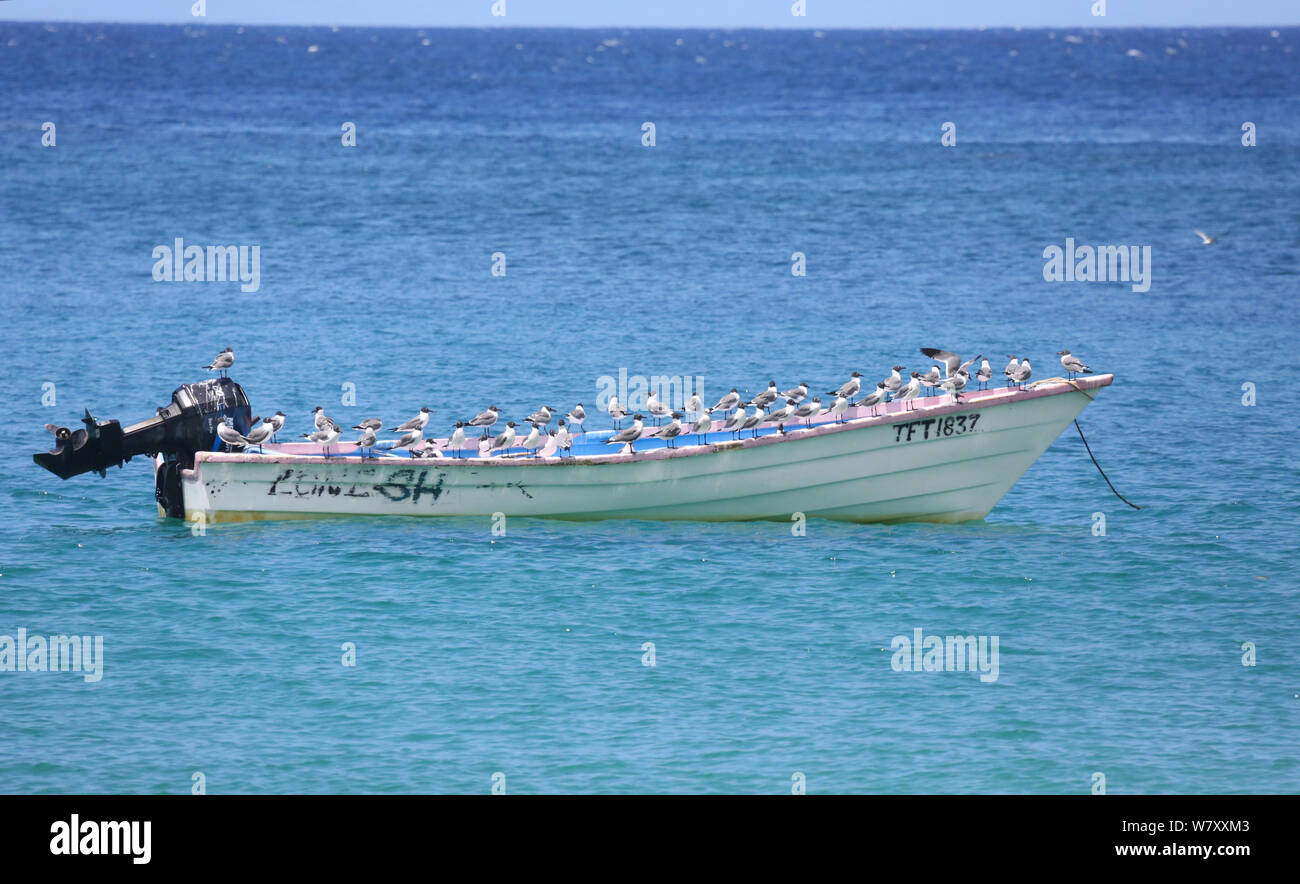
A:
936, 459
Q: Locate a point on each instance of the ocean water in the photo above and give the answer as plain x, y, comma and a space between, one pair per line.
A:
523, 655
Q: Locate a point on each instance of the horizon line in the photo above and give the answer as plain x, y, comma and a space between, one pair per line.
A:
504, 27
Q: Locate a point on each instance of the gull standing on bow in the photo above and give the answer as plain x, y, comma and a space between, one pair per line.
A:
956, 383
894, 381
767, 397
808, 410
1023, 373
752, 422
319, 419
457, 440
542, 416
1010, 371
656, 408
798, 393
563, 439
370, 423
534, 440
727, 402
877, 397
733, 423
985, 374
277, 423
410, 438
616, 412
484, 419
849, 389
671, 430
782, 414
694, 405
909, 391
1073, 364
419, 422
628, 436
260, 433
366, 441
505, 440
703, 424
838, 408
324, 437
224, 360
227, 433
576, 417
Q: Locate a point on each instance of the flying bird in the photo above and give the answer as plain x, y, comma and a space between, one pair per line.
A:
1206, 239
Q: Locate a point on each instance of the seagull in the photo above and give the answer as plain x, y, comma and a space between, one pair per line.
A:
410, 437
367, 440
985, 374
956, 384
910, 390
1012, 367
416, 423
534, 439
875, 398
322, 420
1209, 240
753, 421
798, 393
695, 404
576, 417
782, 414
324, 437
849, 389
370, 423
277, 423
457, 440
702, 425
1073, 364
224, 360
563, 439
894, 381
837, 408
541, 416
672, 430
727, 402
505, 440
616, 412
951, 361
629, 436
484, 419
260, 433
733, 423
932, 377
808, 409
767, 397
1023, 373
656, 408
229, 435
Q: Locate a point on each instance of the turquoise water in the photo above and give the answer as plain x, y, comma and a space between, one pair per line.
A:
523, 654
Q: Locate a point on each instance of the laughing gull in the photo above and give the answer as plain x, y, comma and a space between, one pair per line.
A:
367, 440
533, 440
838, 408
419, 422
628, 436
260, 433
752, 422
672, 430
277, 423
727, 402
505, 440
542, 416
985, 374
321, 420
808, 410
703, 424
695, 404
231, 437
956, 384
457, 440
767, 397
733, 423
224, 360
410, 437
875, 398
656, 408
616, 412
909, 391
782, 414
563, 439
798, 393
370, 423
1073, 364
1010, 371
849, 389
576, 417
1023, 373
324, 438
951, 361
484, 419
894, 381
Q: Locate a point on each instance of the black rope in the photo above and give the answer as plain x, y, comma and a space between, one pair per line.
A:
1100, 470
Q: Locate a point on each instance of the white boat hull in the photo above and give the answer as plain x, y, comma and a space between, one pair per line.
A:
942, 462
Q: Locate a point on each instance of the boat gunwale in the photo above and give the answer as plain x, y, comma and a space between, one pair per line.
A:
976, 399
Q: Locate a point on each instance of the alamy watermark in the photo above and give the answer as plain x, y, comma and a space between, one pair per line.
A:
633, 390
948, 653
181, 263
1073, 263
57, 653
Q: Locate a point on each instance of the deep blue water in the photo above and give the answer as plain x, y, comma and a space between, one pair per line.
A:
522, 654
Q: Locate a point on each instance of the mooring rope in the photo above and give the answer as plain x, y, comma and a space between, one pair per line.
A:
1100, 470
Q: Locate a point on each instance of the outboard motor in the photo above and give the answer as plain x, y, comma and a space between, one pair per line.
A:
188, 425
